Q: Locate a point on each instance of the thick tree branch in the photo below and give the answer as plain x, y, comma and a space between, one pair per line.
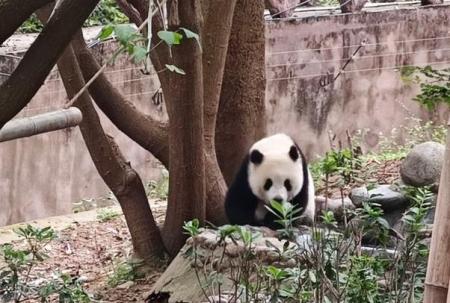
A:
147, 132
215, 39
241, 115
21, 86
13, 13
184, 102
130, 11
117, 173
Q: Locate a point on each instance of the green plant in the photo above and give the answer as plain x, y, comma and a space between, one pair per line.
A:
68, 290
138, 48
107, 214
31, 25
434, 85
411, 262
106, 12
330, 262
286, 214
159, 189
363, 280
19, 263
125, 271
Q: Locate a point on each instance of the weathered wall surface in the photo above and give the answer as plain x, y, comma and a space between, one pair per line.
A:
305, 55
43, 175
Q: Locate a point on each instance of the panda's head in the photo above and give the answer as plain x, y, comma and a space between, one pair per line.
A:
275, 170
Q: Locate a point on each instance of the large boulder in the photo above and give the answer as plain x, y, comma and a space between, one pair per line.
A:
423, 164
181, 282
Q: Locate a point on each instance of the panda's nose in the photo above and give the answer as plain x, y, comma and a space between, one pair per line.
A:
278, 199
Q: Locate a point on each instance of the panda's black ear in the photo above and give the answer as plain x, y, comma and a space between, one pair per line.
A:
293, 153
256, 157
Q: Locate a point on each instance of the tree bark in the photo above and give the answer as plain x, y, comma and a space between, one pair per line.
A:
184, 104
215, 37
350, 6
13, 13
147, 132
130, 12
438, 270
27, 78
241, 114
117, 173
214, 45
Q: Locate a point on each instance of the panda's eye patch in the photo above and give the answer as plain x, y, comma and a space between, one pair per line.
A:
268, 184
287, 184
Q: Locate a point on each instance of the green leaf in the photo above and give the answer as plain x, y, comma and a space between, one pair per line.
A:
124, 33
191, 35
171, 38
139, 54
175, 69
106, 32
383, 222
312, 277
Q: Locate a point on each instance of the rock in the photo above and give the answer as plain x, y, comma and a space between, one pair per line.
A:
126, 285
385, 253
394, 216
334, 205
179, 282
388, 198
429, 218
358, 195
423, 164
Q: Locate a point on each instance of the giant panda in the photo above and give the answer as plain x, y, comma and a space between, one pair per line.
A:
274, 169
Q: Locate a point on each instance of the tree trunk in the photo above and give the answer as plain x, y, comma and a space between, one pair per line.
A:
216, 35
13, 13
215, 42
185, 109
21, 86
438, 270
241, 115
350, 6
117, 173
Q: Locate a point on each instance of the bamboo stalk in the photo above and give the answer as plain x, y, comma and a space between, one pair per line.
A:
30, 126
438, 271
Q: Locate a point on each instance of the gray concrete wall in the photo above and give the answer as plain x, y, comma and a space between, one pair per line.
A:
41, 176
304, 55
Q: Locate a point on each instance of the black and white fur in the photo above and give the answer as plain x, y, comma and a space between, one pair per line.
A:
274, 169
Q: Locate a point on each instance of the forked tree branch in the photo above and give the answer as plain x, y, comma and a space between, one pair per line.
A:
27, 78
13, 13
144, 130
130, 12
117, 173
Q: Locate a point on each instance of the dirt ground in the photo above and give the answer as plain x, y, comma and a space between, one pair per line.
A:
92, 251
